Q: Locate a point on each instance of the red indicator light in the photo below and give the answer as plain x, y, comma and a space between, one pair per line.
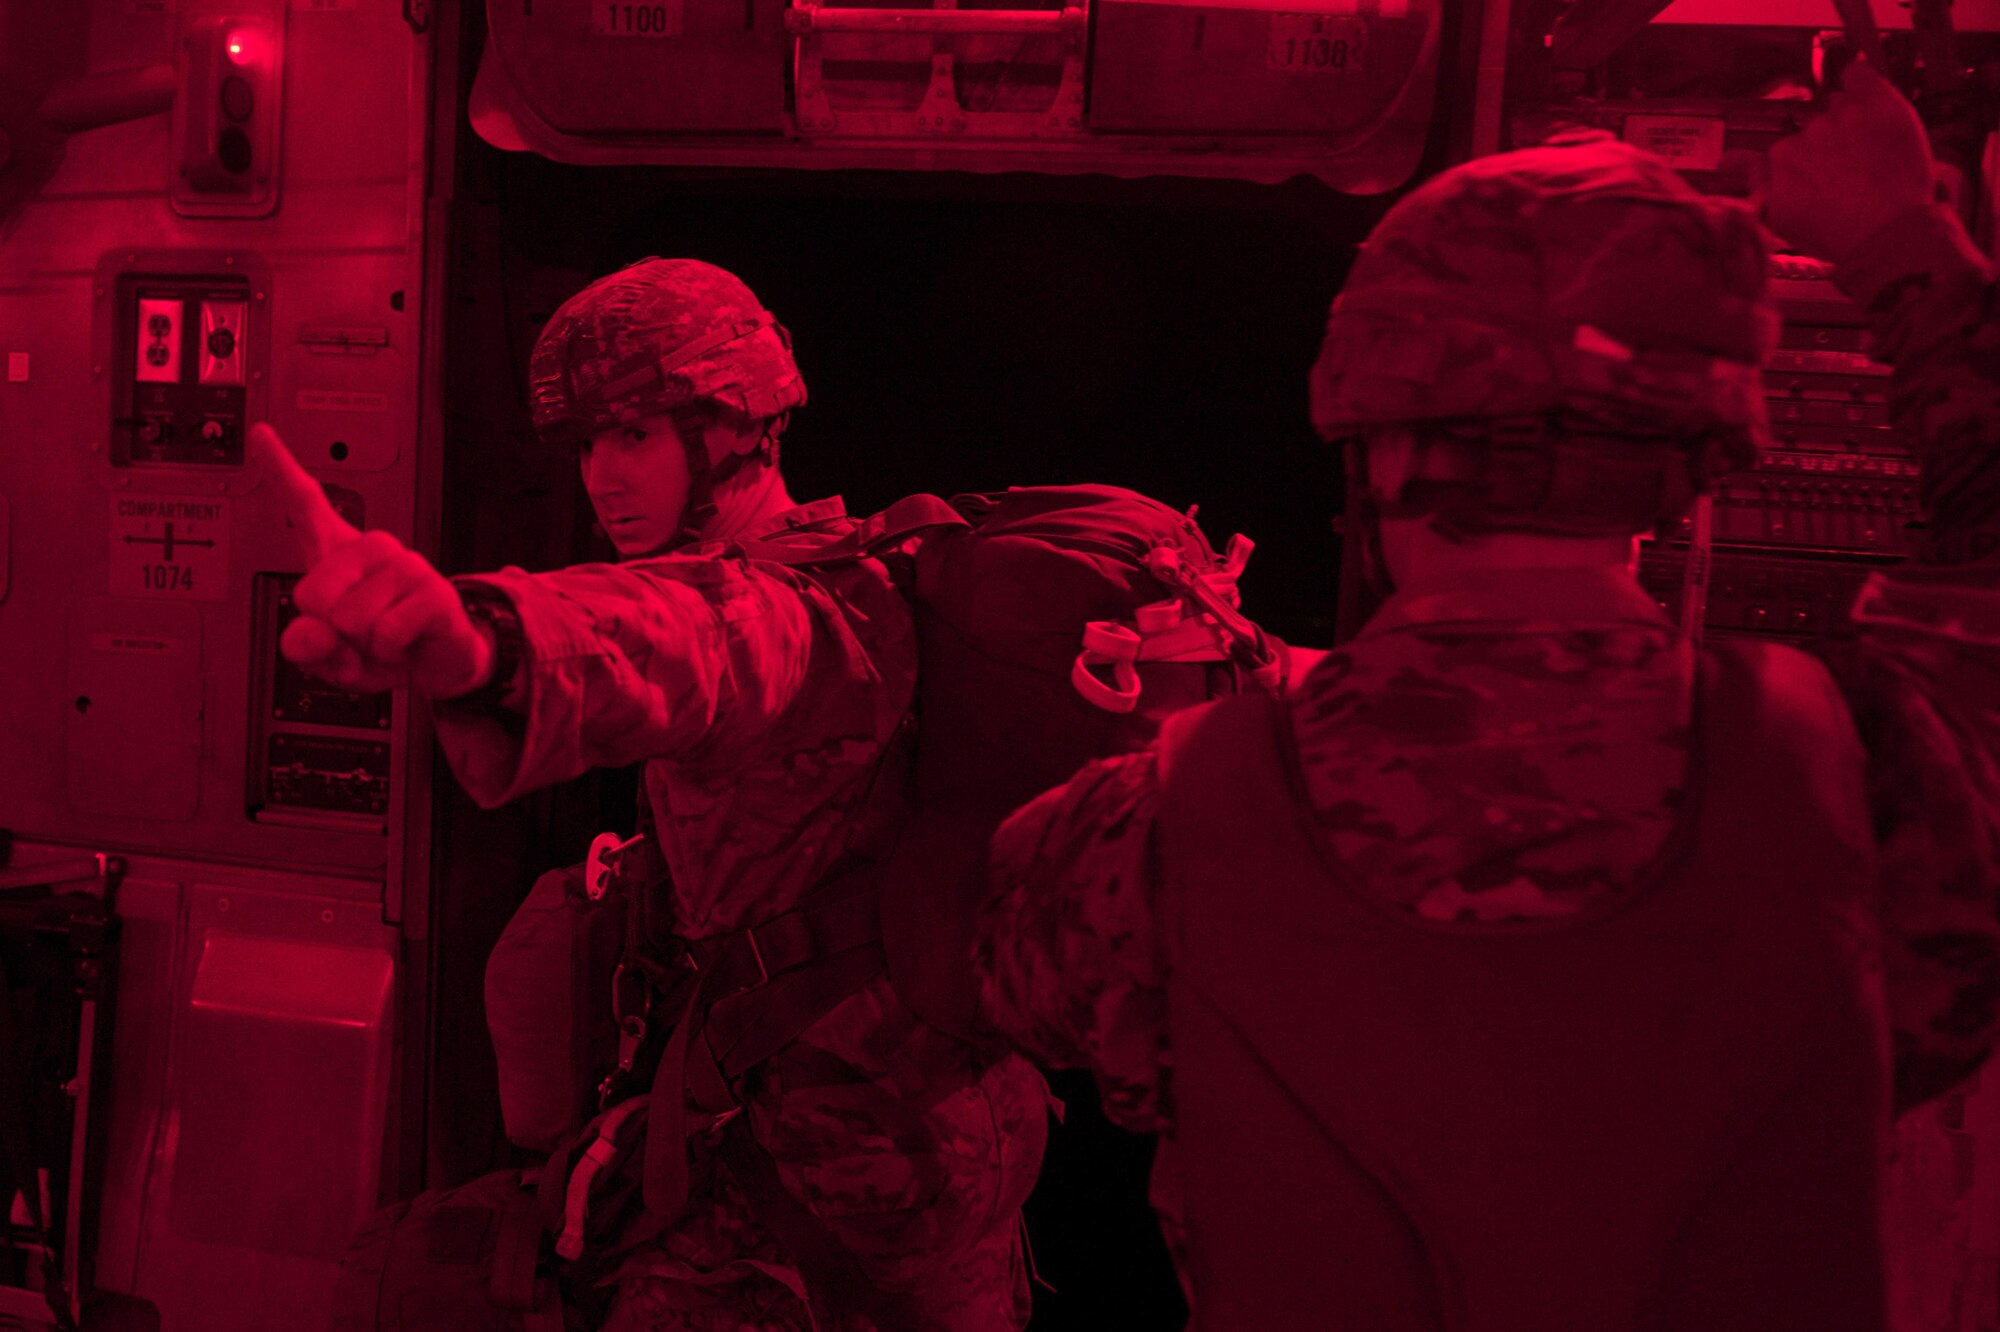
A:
243, 45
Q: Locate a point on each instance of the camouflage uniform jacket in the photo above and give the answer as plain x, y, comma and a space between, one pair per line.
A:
759, 699
1515, 747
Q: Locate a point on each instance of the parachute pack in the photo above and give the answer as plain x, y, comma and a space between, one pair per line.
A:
1056, 625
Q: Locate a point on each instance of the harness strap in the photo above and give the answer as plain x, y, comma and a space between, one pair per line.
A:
747, 1030
870, 536
752, 956
666, 1174
788, 1006
818, 953
905, 518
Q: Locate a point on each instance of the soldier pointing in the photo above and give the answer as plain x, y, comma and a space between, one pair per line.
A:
873, 1174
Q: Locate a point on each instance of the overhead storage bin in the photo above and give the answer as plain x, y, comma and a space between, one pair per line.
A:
589, 68
1262, 90
1332, 67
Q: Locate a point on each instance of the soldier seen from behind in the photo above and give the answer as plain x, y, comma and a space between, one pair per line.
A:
1535, 964
811, 1154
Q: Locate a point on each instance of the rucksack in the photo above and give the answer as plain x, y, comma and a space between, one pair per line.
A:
1056, 625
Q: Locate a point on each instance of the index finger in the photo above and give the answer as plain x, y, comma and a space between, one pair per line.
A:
321, 528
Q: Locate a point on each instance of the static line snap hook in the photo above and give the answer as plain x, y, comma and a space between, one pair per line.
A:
598, 866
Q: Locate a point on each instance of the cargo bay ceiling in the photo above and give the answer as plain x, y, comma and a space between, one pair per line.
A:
1261, 90
1351, 92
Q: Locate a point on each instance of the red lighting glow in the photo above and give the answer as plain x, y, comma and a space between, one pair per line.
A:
243, 44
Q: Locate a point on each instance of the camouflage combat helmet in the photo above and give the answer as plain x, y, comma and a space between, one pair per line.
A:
1581, 285
657, 335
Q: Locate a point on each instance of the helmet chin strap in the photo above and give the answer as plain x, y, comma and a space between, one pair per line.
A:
699, 507
705, 477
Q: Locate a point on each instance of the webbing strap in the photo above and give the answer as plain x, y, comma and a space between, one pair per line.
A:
871, 536
907, 517
819, 954
743, 1034
666, 1173
806, 934
757, 992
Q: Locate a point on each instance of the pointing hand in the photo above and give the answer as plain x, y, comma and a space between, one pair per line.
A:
373, 614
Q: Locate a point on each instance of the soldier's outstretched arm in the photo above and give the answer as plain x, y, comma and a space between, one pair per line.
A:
693, 658
654, 659
1922, 671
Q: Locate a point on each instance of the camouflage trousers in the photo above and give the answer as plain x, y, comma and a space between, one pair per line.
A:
923, 1187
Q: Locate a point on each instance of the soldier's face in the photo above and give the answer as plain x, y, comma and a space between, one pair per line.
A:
637, 477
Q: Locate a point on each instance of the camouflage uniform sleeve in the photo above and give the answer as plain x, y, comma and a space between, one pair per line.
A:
1922, 668
670, 658
1069, 958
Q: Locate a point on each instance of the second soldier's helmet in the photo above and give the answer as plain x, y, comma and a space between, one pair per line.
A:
654, 336
1580, 293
